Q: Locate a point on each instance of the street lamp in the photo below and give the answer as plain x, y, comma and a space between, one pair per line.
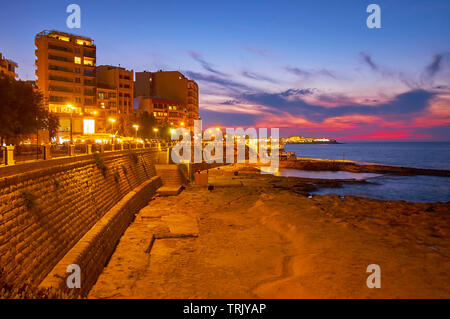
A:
156, 131
70, 106
136, 127
112, 123
112, 120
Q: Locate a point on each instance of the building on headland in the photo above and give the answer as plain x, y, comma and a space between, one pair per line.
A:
164, 110
307, 140
115, 90
8, 67
66, 77
170, 85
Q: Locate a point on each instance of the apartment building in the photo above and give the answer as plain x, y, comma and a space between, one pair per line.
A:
171, 85
115, 86
66, 76
164, 110
107, 104
122, 81
8, 67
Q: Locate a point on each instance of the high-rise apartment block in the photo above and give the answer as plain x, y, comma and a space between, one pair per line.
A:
171, 85
8, 67
66, 72
163, 110
115, 87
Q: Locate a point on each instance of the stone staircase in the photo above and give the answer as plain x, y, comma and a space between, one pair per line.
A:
172, 179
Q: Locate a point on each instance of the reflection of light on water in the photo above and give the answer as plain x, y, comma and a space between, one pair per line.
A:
288, 172
387, 187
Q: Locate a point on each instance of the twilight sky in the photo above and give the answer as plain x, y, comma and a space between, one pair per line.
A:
311, 68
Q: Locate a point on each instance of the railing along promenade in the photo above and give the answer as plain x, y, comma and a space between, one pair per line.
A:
12, 155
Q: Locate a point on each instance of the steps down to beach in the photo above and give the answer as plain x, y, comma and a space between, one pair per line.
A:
172, 180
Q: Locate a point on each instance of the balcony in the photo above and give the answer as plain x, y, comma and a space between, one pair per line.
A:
59, 48
60, 89
60, 79
59, 58
89, 73
90, 54
60, 68
89, 83
60, 99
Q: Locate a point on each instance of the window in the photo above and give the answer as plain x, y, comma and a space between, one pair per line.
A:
77, 80
77, 70
88, 62
101, 96
89, 126
77, 60
83, 42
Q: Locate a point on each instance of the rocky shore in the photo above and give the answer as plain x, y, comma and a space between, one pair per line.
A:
357, 167
262, 236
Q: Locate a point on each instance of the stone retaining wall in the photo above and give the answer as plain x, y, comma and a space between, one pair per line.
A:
47, 207
92, 252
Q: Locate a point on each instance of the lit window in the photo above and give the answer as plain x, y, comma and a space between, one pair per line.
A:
89, 126
83, 42
77, 60
88, 61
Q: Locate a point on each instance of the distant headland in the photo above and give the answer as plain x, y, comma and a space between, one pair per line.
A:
308, 140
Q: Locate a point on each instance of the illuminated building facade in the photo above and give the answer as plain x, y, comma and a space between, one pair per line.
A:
66, 76
164, 110
8, 67
171, 85
115, 87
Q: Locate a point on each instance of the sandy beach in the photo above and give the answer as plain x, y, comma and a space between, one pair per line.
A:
260, 236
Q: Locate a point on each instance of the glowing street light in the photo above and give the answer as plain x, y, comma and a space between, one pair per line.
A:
136, 127
112, 123
156, 130
112, 120
70, 106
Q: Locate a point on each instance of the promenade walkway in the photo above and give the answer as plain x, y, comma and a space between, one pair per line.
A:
253, 237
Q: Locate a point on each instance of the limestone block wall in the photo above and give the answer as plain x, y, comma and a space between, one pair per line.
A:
47, 207
95, 248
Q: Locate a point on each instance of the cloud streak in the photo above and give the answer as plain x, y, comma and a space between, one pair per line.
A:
403, 104
309, 73
258, 77
206, 65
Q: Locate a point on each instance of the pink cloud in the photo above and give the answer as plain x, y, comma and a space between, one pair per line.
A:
386, 135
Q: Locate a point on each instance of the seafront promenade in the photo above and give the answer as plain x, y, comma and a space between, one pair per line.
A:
261, 236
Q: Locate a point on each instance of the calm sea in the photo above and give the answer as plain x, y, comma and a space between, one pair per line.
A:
422, 155
408, 188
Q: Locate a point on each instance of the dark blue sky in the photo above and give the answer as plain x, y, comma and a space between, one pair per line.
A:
246, 55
